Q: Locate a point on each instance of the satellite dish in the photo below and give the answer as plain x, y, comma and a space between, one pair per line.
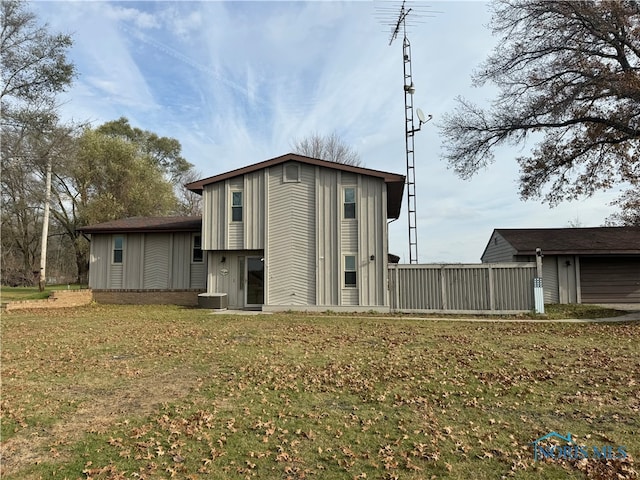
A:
421, 116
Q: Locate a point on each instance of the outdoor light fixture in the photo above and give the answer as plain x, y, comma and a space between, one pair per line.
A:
372, 258
223, 259
410, 88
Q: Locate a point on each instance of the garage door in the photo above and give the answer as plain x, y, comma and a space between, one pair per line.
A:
610, 280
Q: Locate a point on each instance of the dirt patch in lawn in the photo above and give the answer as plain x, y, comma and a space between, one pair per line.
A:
99, 410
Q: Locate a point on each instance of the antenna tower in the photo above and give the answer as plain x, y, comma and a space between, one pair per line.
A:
410, 127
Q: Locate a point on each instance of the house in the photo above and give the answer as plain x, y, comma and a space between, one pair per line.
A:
291, 232
580, 265
147, 260
295, 232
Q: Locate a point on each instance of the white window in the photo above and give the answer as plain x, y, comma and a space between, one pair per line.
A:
118, 248
350, 274
349, 202
196, 255
236, 206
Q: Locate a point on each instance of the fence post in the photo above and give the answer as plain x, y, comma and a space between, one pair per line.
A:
492, 296
443, 288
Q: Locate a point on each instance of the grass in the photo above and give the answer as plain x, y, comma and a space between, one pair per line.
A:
111, 392
9, 294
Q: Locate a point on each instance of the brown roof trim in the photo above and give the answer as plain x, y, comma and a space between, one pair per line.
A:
146, 225
198, 185
395, 182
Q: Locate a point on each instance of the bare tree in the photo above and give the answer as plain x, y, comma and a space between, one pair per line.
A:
327, 147
570, 72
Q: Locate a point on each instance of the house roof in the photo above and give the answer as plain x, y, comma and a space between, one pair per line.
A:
147, 225
395, 182
574, 241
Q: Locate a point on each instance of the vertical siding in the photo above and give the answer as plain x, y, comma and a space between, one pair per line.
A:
371, 223
156, 261
214, 222
180, 261
292, 244
328, 213
254, 210
550, 279
349, 239
133, 262
235, 230
100, 261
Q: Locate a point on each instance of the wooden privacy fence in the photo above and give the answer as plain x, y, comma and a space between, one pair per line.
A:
462, 288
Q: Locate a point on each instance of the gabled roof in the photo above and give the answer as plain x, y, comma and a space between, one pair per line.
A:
395, 182
146, 225
573, 241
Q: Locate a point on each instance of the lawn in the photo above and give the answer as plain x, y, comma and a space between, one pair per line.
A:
112, 392
9, 294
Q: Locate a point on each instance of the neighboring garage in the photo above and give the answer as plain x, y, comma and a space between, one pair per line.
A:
580, 265
610, 279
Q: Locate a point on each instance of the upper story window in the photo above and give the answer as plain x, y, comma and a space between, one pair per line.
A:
350, 274
236, 206
196, 255
118, 248
349, 202
291, 172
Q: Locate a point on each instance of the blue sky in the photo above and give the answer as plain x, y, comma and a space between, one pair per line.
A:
237, 82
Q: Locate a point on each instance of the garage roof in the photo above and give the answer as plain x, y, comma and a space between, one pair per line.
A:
573, 241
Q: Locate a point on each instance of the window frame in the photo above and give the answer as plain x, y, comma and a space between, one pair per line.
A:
194, 244
345, 204
114, 250
353, 271
236, 208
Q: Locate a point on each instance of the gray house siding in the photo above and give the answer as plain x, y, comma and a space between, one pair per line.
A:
291, 251
550, 279
150, 261
498, 250
330, 240
156, 264
298, 222
372, 242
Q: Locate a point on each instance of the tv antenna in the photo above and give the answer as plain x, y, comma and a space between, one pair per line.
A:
400, 24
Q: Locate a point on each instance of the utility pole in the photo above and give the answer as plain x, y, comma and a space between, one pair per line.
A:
42, 281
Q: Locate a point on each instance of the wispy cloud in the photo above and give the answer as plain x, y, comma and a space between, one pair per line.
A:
236, 82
